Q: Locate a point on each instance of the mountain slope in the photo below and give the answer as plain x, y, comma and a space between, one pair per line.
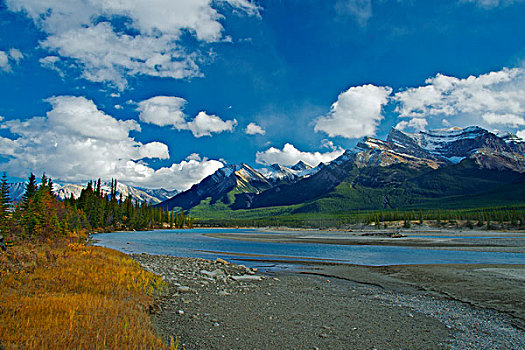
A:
222, 185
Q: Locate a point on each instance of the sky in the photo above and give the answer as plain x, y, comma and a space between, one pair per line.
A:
162, 93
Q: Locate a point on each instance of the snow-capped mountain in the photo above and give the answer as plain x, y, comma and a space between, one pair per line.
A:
373, 164
443, 147
66, 190
276, 173
238, 182
16, 190
221, 185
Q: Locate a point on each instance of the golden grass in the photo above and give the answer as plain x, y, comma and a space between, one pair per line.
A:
75, 297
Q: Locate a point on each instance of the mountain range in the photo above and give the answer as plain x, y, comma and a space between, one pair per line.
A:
455, 167
66, 190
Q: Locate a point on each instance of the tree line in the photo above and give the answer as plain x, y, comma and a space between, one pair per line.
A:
40, 214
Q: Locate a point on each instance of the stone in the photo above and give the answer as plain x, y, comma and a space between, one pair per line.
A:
246, 278
213, 274
184, 289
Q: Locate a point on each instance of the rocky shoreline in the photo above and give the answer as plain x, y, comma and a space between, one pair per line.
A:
219, 305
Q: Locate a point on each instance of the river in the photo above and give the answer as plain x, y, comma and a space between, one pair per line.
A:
195, 243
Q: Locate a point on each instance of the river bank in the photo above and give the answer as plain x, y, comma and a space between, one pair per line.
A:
218, 305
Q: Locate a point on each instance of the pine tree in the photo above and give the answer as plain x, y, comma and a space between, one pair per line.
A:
30, 191
5, 201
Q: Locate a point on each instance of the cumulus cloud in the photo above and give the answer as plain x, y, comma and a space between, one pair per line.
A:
76, 142
486, 100
254, 129
168, 111
163, 111
356, 113
204, 125
87, 34
290, 155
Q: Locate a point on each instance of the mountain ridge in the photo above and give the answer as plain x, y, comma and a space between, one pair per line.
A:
387, 166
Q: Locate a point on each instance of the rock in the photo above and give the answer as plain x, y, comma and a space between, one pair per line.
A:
180, 312
221, 261
216, 324
184, 289
213, 274
223, 292
323, 335
246, 278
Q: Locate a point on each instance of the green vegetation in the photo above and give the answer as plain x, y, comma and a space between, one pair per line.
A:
294, 216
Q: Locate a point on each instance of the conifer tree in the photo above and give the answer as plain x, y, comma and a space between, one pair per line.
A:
30, 191
5, 201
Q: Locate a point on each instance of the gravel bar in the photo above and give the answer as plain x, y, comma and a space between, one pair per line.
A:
219, 305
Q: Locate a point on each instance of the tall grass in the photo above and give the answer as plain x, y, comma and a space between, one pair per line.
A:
73, 296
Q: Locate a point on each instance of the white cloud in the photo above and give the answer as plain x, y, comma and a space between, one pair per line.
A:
53, 63
487, 99
204, 125
7, 58
521, 134
417, 124
489, 4
361, 10
194, 156
76, 142
4, 62
85, 33
356, 113
183, 175
163, 111
16, 55
167, 111
504, 119
290, 155
254, 129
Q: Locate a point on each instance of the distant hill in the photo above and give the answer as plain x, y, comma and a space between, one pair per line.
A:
66, 190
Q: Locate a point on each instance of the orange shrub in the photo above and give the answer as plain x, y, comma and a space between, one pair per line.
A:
75, 297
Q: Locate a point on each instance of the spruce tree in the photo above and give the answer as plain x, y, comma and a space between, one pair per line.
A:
5, 201
30, 191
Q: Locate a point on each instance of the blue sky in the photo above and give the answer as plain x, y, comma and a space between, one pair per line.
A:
161, 93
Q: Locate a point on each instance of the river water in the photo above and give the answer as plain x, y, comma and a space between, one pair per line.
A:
194, 243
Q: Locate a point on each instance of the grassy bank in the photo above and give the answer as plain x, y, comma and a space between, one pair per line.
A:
71, 296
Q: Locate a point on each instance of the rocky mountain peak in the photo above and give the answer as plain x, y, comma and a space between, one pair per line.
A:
300, 165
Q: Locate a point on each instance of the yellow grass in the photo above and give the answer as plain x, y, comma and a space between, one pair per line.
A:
75, 297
